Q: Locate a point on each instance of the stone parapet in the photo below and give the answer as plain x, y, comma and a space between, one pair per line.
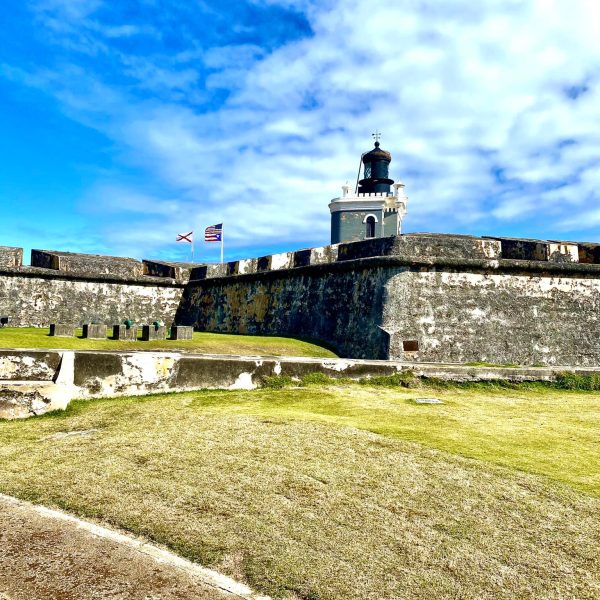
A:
92, 264
172, 270
55, 275
413, 248
11, 257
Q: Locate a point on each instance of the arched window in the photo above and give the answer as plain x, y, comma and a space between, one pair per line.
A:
370, 227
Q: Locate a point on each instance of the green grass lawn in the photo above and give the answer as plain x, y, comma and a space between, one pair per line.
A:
346, 491
203, 343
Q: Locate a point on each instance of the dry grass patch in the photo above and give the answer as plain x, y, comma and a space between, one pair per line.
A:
285, 489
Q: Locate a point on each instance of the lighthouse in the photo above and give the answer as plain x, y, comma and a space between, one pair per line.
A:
376, 206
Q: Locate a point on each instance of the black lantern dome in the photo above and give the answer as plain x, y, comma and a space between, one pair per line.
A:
376, 165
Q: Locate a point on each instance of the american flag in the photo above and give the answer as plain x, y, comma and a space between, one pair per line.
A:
213, 233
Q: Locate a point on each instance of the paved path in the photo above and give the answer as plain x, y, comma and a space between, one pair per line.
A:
47, 554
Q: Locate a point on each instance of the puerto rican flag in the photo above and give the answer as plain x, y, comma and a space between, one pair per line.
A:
213, 233
185, 237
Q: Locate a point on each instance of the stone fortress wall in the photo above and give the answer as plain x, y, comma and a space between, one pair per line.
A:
415, 297
74, 289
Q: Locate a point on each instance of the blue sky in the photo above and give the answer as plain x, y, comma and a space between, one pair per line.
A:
125, 123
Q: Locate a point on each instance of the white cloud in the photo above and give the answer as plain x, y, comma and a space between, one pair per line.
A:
463, 92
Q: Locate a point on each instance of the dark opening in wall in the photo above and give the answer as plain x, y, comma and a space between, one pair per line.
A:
370, 231
410, 346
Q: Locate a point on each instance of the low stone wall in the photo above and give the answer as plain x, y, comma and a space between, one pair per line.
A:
35, 382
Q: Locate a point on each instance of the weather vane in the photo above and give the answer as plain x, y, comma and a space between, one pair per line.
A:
376, 135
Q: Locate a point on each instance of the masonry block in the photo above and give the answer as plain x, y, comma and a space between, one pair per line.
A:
181, 332
324, 254
151, 332
11, 257
302, 258
589, 253
423, 245
62, 330
122, 332
231, 268
173, 270
563, 252
247, 265
519, 249
315, 256
275, 262
367, 248
94, 331
283, 260
263, 264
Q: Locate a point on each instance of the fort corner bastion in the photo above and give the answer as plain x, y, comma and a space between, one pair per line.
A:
414, 297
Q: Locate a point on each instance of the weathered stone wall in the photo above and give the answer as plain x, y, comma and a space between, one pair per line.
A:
527, 318
419, 308
37, 297
418, 297
339, 306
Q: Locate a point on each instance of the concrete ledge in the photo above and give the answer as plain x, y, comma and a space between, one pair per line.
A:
34, 382
29, 365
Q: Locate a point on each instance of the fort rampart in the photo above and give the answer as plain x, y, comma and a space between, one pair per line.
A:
76, 289
417, 297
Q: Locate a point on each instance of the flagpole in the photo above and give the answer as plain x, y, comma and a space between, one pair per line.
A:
222, 237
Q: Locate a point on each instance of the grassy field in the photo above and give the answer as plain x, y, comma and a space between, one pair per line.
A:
347, 491
203, 343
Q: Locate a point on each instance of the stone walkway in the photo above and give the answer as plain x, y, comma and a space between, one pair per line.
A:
47, 554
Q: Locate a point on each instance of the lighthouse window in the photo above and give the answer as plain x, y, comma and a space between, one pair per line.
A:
367, 170
370, 224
